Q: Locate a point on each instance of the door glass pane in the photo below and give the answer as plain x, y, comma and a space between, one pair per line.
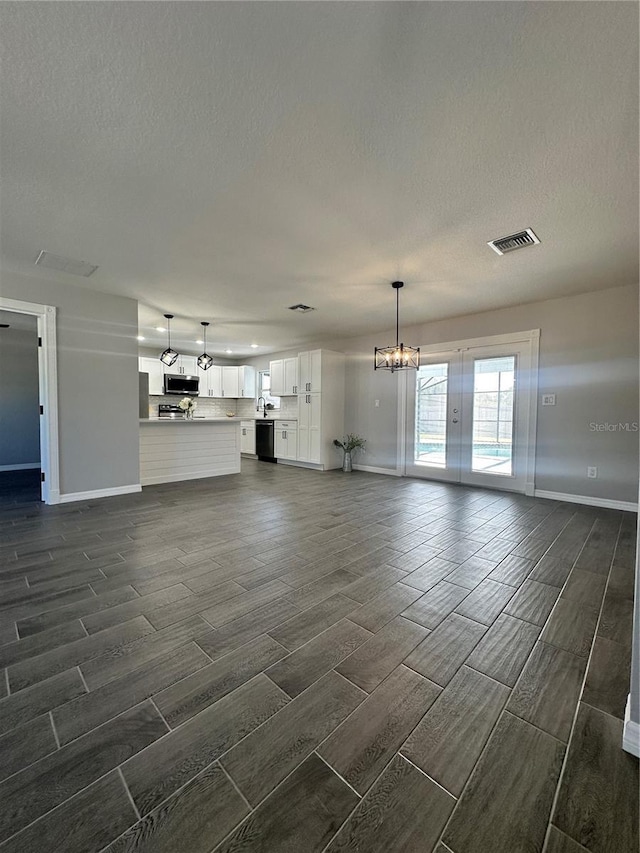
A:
493, 400
431, 415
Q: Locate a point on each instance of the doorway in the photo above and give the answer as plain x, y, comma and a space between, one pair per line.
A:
470, 413
45, 316
19, 411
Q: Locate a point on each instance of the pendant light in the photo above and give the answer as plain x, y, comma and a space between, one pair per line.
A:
398, 357
204, 361
169, 356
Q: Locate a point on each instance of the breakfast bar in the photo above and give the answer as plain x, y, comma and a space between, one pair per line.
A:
175, 450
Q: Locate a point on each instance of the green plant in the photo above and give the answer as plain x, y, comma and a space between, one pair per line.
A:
351, 442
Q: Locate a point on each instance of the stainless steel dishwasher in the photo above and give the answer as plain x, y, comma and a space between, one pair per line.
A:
264, 441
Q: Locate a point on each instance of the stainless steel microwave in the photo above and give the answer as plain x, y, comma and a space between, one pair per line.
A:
185, 385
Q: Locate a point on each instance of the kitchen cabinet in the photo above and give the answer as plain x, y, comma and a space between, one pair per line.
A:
184, 365
210, 381
276, 373
228, 381
285, 440
284, 377
321, 410
310, 371
309, 427
248, 437
154, 367
247, 381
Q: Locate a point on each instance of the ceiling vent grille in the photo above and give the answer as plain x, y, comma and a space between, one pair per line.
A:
57, 262
301, 308
503, 245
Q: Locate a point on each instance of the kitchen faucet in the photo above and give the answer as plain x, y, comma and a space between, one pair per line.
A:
264, 406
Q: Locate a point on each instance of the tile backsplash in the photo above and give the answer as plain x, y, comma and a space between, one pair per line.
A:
216, 407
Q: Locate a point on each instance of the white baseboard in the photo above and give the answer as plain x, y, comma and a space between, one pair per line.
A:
26, 466
605, 503
69, 497
179, 477
390, 472
294, 463
630, 732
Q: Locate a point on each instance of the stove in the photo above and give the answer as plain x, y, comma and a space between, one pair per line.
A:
165, 410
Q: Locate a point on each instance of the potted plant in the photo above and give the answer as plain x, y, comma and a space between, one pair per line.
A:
349, 446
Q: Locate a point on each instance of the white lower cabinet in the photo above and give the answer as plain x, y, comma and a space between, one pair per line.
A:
285, 440
309, 427
248, 437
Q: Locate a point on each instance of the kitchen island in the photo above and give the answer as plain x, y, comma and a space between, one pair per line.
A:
174, 450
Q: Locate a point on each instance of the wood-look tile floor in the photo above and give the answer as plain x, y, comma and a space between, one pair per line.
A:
283, 660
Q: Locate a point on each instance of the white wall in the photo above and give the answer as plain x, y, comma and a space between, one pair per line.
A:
97, 380
19, 398
588, 358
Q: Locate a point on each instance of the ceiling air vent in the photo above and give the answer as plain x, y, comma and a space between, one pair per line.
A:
301, 308
57, 262
515, 241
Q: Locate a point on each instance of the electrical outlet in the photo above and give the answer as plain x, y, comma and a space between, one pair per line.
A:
376, 403
592, 472
548, 399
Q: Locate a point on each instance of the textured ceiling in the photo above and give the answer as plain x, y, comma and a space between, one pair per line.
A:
222, 161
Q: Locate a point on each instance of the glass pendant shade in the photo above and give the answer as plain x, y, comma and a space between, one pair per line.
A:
169, 356
398, 356
204, 361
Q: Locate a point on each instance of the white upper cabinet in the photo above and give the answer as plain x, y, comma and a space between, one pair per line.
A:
310, 371
291, 370
187, 366
230, 382
276, 372
246, 381
153, 366
210, 381
284, 377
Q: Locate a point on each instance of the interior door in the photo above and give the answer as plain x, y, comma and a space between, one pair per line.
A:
469, 417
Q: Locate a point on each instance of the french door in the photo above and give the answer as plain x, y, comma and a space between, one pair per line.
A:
470, 415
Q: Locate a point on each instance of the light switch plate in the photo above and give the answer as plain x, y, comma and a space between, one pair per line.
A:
548, 399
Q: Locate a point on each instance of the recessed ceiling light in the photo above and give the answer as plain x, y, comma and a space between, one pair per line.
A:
228, 351
254, 346
140, 337
199, 342
160, 329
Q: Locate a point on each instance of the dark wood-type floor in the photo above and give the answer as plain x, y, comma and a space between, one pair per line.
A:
290, 661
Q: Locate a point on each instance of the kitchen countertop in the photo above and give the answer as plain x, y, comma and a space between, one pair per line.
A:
191, 421
234, 419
